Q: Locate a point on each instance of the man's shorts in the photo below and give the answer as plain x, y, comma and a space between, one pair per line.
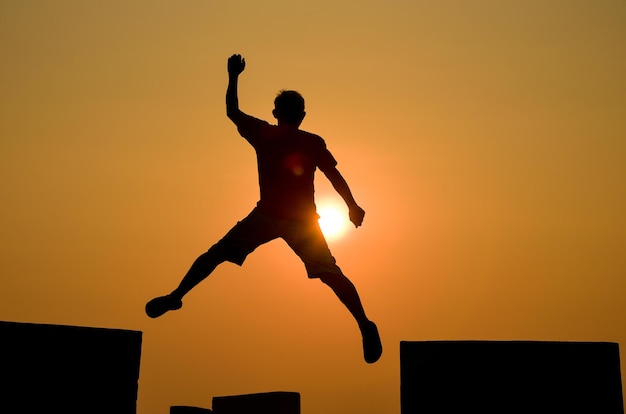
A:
304, 237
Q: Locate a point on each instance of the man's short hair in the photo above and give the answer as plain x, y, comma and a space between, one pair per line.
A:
289, 106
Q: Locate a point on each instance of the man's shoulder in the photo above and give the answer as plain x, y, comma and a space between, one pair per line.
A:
290, 133
251, 120
310, 136
249, 127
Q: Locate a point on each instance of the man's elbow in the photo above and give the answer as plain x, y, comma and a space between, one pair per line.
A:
234, 114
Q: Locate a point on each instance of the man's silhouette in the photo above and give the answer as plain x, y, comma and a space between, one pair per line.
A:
287, 158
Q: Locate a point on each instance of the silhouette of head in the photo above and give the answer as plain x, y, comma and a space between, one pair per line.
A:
289, 108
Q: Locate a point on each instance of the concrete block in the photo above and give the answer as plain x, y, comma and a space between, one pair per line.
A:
278, 402
510, 377
184, 409
68, 369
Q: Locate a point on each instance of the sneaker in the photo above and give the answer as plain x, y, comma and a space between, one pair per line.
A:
372, 347
158, 306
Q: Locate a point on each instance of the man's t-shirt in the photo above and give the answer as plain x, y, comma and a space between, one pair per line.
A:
286, 158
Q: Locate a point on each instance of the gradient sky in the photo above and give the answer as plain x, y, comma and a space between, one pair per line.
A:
484, 138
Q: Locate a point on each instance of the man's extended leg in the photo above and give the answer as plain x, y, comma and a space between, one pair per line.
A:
201, 268
240, 241
348, 295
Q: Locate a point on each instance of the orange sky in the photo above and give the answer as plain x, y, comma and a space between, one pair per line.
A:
485, 140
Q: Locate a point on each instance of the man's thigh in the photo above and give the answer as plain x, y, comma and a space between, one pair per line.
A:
245, 236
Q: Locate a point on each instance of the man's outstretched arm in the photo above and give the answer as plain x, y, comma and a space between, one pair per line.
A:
340, 185
236, 65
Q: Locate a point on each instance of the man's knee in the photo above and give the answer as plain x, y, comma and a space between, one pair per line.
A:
213, 255
227, 252
330, 278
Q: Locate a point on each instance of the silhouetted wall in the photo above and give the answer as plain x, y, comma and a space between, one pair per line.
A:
510, 377
278, 402
68, 369
185, 409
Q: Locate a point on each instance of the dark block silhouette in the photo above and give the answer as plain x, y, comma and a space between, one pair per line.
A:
510, 377
183, 409
68, 369
278, 402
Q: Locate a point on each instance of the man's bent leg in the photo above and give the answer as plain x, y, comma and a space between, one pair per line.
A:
348, 295
234, 247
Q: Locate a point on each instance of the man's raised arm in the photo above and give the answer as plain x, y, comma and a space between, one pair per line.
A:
236, 65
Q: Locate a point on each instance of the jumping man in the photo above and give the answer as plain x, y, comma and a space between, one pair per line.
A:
287, 158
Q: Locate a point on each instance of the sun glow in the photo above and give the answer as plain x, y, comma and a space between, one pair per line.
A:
333, 221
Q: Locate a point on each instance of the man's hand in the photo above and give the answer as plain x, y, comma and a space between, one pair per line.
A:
356, 214
236, 65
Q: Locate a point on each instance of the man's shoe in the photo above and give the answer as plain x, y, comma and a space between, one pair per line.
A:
158, 306
372, 347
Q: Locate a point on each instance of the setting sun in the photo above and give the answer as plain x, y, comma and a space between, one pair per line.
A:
333, 221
